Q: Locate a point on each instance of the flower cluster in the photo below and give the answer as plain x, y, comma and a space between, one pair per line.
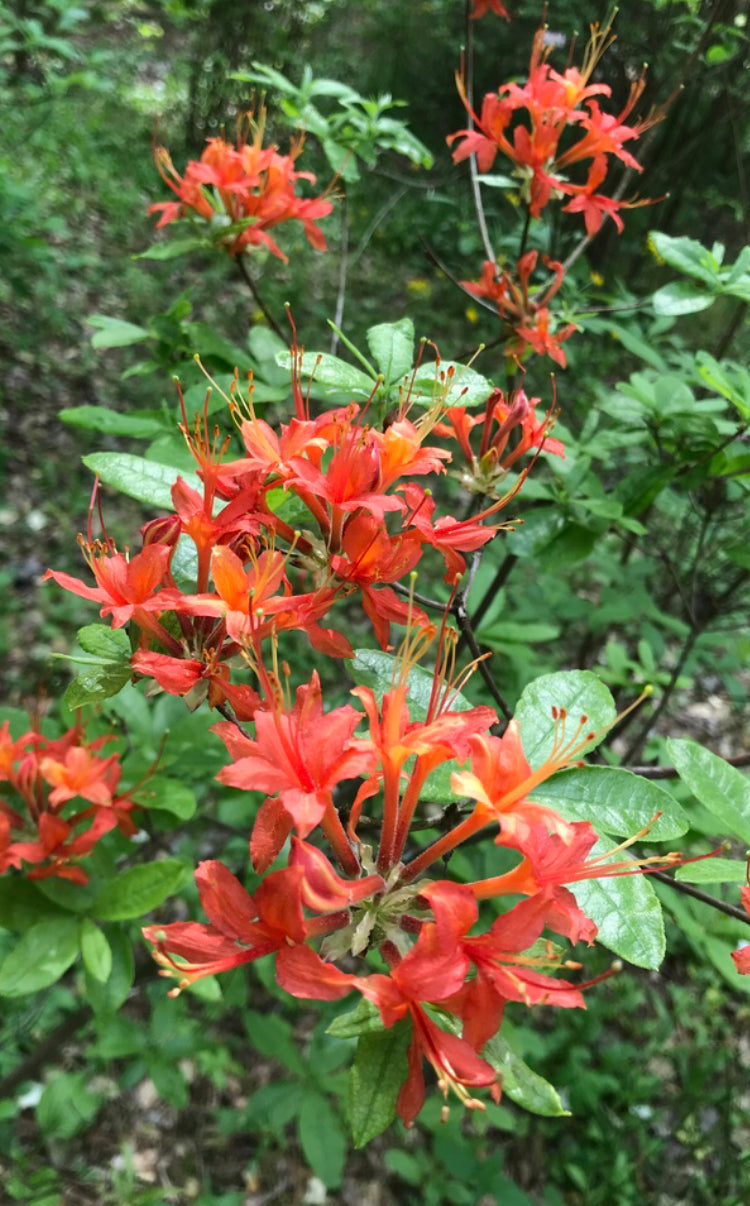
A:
242, 192
526, 312
423, 963
368, 524
548, 128
376, 913
62, 798
528, 124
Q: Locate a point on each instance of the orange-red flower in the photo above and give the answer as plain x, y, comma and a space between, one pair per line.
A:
242, 192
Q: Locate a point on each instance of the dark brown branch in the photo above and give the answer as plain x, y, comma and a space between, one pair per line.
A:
670, 772
467, 632
245, 272
46, 1050
704, 897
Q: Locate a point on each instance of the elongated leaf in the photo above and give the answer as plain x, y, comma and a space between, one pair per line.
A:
686, 255
73, 898
392, 347
371, 668
579, 693
508, 632
628, 914
696, 921
524, 1086
681, 297
172, 248
43, 954
148, 481
714, 871
721, 788
112, 422
331, 376
110, 644
138, 890
322, 1139
22, 905
114, 332
96, 951
454, 384
107, 997
614, 801
376, 1076
168, 795
95, 685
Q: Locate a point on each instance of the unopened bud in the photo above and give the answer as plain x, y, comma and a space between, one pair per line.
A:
165, 530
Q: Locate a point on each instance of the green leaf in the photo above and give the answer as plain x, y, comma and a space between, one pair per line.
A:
614, 801
392, 347
73, 898
138, 890
453, 383
371, 668
96, 684
681, 298
696, 921
114, 332
168, 1079
107, 997
732, 381
686, 255
41, 957
714, 871
331, 377
363, 1019
18, 721
22, 905
721, 788
110, 644
96, 951
627, 913
375, 1079
172, 248
579, 693
322, 1139
67, 1105
527, 1088
168, 795
507, 632
139, 478
271, 1035
112, 422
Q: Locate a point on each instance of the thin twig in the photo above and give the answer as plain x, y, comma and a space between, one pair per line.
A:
343, 267
379, 217
671, 772
422, 600
476, 188
637, 743
679, 885
467, 632
245, 271
501, 575
49, 1047
480, 301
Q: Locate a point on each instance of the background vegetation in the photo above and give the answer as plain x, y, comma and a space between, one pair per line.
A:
633, 561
